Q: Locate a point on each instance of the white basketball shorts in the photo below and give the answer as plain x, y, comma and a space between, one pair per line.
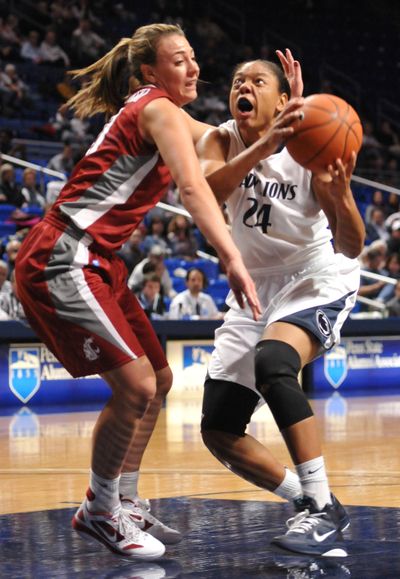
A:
319, 297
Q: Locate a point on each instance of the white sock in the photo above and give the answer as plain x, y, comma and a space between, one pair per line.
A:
104, 495
290, 487
128, 485
314, 481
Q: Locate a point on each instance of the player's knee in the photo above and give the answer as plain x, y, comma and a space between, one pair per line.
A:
227, 407
277, 366
219, 443
135, 398
164, 381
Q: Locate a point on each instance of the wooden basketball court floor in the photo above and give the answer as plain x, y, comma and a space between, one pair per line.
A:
226, 522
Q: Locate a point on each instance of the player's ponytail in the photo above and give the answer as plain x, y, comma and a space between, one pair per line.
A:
111, 79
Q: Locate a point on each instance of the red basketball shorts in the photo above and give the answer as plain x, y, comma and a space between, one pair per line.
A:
78, 303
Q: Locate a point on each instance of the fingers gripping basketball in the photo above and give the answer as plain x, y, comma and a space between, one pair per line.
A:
330, 129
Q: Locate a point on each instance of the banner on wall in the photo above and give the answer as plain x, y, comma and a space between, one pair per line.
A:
188, 360
366, 363
29, 373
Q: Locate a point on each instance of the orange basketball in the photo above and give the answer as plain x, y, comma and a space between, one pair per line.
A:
330, 129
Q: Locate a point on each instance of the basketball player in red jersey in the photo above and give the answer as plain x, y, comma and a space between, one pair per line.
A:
73, 286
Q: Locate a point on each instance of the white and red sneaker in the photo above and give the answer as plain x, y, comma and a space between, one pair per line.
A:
118, 532
139, 512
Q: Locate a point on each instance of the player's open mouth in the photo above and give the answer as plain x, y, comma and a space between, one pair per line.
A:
244, 105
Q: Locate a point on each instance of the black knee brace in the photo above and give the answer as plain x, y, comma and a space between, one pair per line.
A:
227, 406
277, 366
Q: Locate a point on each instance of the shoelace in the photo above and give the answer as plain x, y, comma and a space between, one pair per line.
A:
128, 529
142, 504
303, 521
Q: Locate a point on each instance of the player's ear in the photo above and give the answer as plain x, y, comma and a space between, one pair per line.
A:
282, 101
147, 73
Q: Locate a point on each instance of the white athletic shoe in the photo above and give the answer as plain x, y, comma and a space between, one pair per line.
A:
117, 532
139, 512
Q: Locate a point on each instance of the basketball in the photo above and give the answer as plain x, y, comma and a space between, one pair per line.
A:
330, 129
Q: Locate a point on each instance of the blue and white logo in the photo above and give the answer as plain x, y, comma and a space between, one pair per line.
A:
24, 372
196, 355
335, 366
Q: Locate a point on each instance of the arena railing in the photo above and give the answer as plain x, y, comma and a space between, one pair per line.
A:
376, 304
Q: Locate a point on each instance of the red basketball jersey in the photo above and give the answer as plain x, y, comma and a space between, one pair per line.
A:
119, 179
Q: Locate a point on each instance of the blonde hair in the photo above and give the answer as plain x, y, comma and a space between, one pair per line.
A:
112, 78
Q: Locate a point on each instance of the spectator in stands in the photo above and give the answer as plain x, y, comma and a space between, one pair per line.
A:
369, 138
156, 258
10, 192
5, 284
31, 190
64, 161
53, 189
10, 36
132, 252
10, 306
388, 137
393, 204
86, 44
193, 303
30, 49
12, 249
369, 287
150, 297
392, 269
377, 202
181, 239
393, 243
51, 52
393, 305
156, 235
69, 128
7, 145
375, 227
13, 90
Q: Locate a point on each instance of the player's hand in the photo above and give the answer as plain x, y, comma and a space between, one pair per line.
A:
292, 71
336, 182
243, 286
281, 127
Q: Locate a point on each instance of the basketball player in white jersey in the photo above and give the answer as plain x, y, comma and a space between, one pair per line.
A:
299, 235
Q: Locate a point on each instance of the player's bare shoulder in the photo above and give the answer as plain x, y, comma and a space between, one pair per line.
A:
215, 142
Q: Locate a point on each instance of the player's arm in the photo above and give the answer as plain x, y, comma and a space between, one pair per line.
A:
336, 199
161, 122
197, 128
224, 176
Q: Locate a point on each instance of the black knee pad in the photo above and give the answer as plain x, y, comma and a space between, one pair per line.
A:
227, 406
277, 366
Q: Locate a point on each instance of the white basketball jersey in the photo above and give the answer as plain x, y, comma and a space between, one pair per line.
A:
276, 220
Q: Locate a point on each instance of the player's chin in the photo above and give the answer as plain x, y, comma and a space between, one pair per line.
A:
189, 95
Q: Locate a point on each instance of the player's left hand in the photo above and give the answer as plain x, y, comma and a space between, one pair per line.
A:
293, 73
336, 182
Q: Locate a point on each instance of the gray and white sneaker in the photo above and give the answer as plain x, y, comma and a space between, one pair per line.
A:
303, 503
314, 532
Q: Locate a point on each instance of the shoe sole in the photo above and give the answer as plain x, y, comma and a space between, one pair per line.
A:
87, 533
333, 552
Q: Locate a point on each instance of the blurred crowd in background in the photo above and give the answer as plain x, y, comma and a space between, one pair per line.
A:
339, 51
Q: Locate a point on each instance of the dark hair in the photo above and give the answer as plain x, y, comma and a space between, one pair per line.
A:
148, 268
151, 277
272, 67
205, 280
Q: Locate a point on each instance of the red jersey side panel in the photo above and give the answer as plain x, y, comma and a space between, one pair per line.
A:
120, 178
